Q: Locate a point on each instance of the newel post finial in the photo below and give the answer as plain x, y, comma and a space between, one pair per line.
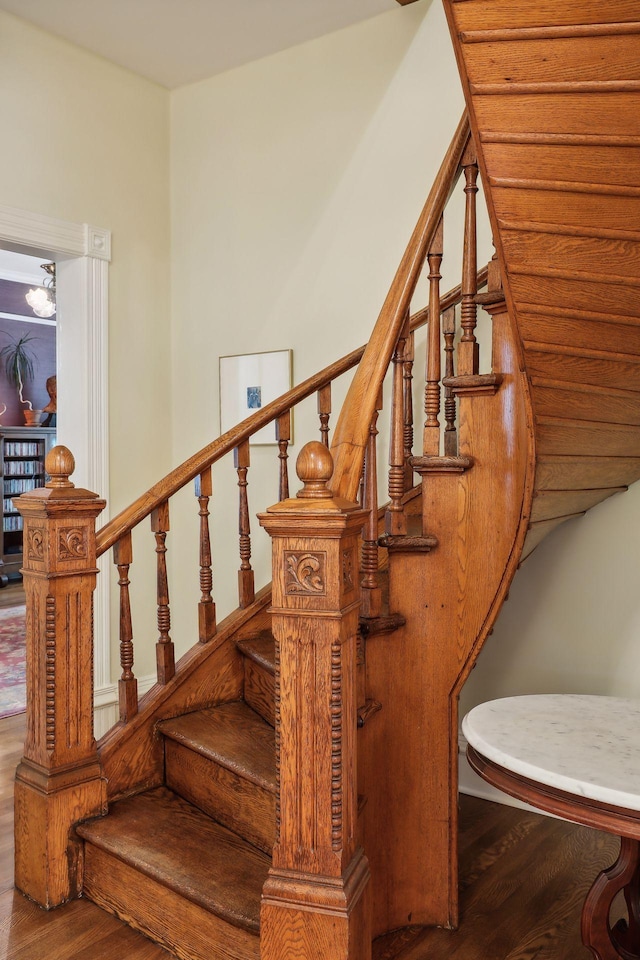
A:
317, 862
60, 464
59, 780
314, 467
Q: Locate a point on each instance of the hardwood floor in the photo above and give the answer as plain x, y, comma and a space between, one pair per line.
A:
77, 931
523, 880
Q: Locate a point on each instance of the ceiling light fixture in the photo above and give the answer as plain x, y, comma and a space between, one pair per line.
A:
42, 300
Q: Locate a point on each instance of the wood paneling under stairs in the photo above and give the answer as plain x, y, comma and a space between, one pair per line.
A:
523, 878
554, 101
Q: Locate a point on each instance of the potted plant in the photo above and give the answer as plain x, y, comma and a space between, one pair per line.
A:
19, 359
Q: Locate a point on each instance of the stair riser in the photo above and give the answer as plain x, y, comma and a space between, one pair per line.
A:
259, 690
180, 926
237, 803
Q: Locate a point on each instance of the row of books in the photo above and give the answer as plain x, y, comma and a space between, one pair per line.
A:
21, 468
18, 486
12, 523
22, 448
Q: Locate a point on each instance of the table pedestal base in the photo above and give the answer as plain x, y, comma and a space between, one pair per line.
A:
622, 941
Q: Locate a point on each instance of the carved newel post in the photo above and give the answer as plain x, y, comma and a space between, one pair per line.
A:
58, 781
315, 903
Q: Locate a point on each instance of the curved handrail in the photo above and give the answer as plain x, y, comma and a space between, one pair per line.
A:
352, 428
164, 489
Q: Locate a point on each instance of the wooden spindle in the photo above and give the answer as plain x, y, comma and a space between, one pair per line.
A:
206, 606
165, 654
283, 436
468, 348
395, 520
450, 432
127, 684
371, 593
431, 434
324, 412
407, 373
246, 586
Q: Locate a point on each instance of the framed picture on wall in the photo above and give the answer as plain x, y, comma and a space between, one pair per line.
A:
248, 382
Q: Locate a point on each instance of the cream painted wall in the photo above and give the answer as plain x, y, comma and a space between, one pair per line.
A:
86, 141
296, 182
572, 621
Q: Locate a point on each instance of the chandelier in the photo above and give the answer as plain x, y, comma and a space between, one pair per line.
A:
42, 300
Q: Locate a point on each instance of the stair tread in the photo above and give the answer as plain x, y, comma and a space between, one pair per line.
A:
231, 734
260, 648
168, 839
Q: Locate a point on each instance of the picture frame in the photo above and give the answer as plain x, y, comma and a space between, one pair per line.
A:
248, 382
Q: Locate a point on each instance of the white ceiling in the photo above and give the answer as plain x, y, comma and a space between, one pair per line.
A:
174, 42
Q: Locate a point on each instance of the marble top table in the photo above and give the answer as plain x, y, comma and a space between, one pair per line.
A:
577, 757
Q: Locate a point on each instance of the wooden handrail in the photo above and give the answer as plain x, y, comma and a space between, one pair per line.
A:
352, 429
160, 492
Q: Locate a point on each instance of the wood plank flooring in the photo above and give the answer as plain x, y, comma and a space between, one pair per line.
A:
523, 880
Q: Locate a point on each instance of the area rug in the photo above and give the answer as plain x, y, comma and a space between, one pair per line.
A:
12, 661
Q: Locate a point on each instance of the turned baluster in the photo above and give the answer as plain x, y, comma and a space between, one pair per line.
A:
165, 655
324, 412
431, 435
283, 436
371, 593
206, 606
127, 684
246, 588
395, 520
468, 348
450, 432
407, 373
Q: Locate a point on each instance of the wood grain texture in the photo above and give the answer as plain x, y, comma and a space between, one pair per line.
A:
206, 675
585, 402
223, 761
580, 473
562, 503
259, 674
408, 758
187, 930
163, 837
513, 14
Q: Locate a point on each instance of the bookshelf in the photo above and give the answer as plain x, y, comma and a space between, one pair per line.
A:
22, 453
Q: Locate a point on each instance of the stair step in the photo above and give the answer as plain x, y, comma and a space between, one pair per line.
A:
164, 867
222, 759
259, 673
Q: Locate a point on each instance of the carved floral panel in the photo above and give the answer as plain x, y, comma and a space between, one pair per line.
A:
305, 573
72, 543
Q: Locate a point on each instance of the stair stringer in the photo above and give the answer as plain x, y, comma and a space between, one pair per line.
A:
450, 599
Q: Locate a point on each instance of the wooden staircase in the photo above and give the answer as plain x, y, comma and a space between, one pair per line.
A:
186, 862
553, 93
288, 789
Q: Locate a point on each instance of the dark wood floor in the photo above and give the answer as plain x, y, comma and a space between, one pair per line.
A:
12, 595
524, 878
